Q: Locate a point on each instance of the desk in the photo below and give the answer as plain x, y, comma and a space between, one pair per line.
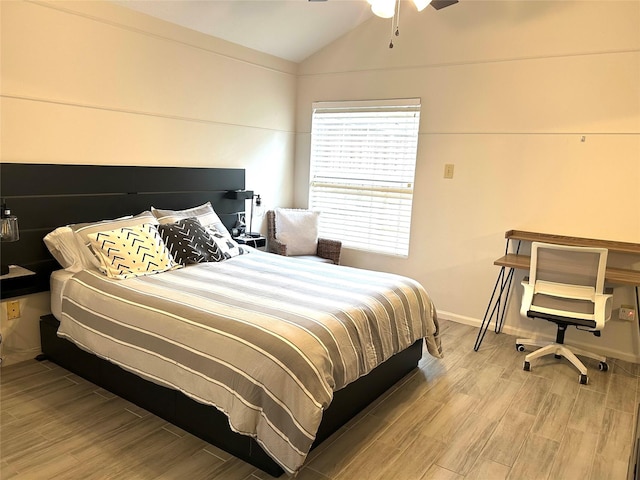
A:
514, 261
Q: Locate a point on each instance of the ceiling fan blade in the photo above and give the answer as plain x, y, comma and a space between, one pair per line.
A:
438, 4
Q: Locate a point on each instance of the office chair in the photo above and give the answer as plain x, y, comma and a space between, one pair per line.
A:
566, 286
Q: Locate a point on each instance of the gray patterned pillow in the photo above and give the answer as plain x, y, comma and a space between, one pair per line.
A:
205, 214
189, 242
226, 244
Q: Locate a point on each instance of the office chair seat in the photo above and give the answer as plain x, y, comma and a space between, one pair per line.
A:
566, 286
591, 324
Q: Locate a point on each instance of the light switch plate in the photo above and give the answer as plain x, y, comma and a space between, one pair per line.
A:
448, 170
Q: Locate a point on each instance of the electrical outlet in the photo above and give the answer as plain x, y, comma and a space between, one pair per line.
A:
13, 309
448, 170
627, 312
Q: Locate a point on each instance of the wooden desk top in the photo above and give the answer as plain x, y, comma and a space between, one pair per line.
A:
613, 246
619, 276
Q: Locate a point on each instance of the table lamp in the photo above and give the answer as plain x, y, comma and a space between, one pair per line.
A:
8, 233
247, 195
258, 202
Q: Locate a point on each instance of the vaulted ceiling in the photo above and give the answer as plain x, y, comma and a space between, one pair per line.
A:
289, 29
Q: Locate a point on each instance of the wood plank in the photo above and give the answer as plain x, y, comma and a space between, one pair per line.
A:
511, 260
612, 245
574, 458
619, 276
622, 276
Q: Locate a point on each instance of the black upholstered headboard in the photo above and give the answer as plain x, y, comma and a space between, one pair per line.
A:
45, 196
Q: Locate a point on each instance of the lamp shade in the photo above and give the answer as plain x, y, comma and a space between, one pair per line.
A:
383, 8
9, 231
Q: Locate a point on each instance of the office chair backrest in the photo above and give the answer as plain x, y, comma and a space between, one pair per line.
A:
567, 264
566, 279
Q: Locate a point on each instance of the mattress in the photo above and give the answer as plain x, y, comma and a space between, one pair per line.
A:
265, 339
57, 281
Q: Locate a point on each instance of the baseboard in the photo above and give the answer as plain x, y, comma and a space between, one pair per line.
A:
454, 317
11, 358
522, 333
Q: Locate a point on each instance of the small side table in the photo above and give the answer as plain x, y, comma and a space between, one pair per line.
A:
255, 242
19, 281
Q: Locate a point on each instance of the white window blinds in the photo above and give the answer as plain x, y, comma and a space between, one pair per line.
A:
363, 158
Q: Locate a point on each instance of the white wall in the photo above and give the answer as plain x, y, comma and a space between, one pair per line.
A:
508, 91
95, 83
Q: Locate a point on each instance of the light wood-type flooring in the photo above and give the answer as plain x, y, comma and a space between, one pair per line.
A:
473, 415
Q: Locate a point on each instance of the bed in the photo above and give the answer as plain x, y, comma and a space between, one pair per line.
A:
303, 347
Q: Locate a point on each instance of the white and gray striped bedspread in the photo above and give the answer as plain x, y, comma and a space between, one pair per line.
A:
264, 338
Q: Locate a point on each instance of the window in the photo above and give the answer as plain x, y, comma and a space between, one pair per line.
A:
363, 159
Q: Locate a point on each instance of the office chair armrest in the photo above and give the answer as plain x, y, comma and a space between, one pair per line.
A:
527, 297
602, 309
276, 247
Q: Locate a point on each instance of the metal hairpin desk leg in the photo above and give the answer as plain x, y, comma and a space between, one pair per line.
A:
499, 303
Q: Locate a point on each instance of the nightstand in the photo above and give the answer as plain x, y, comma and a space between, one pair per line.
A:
20, 281
255, 242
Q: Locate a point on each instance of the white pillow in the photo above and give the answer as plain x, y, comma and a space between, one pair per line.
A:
205, 214
83, 230
132, 251
65, 249
298, 230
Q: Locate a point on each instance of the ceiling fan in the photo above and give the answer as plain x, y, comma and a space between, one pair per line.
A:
437, 4
391, 9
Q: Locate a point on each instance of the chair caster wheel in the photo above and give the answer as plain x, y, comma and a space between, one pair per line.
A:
527, 366
519, 347
583, 379
603, 366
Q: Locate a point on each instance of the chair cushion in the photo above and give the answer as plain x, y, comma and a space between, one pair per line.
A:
313, 258
298, 230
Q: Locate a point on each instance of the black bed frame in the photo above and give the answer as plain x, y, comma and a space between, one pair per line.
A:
45, 196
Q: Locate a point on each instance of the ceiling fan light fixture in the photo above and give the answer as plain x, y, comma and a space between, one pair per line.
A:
391, 9
383, 8
421, 4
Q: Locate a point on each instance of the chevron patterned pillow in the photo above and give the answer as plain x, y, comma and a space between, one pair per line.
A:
131, 251
189, 242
